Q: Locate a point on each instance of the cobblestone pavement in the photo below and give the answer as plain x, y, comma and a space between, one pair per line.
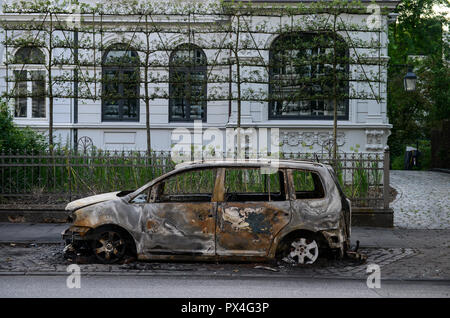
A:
401, 253
395, 263
423, 199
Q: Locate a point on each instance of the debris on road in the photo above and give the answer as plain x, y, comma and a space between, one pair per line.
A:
266, 268
356, 256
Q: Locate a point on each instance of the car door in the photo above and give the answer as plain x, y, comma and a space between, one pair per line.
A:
180, 217
308, 198
254, 210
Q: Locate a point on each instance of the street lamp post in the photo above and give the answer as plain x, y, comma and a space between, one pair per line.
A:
410, 80
409, 85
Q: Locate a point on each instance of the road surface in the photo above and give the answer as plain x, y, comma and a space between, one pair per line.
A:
145, 286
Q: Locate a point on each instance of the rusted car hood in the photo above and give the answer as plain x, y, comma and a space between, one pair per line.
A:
77, 204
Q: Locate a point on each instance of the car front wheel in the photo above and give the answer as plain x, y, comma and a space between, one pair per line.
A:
109, 246
302, 251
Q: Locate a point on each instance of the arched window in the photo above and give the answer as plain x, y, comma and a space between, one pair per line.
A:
29, 55
29, 88
301, 76
120, 90
187, 87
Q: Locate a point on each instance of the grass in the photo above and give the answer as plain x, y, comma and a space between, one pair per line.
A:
69, 176
67, 173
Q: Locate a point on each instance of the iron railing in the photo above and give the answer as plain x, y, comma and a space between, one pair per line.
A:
61, 176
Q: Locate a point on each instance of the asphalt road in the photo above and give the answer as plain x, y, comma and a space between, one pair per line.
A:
144, 286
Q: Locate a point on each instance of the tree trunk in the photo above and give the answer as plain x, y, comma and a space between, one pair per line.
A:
147, 98
238, 83
334, 96
50, 86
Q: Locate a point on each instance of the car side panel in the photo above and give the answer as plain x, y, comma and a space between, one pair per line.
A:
322, 215
318, 214
248, 228
117, 212
179, 228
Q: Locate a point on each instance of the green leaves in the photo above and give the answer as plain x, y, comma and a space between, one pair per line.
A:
17, 139
418, 32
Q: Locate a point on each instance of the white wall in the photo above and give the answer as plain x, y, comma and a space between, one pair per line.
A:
367, 125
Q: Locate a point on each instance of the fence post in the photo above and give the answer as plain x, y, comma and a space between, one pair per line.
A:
386, 192
69, 171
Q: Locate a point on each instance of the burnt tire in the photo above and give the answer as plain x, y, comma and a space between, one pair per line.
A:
109, 246
301, 250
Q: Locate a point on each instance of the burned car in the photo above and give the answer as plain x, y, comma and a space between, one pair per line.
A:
218, 210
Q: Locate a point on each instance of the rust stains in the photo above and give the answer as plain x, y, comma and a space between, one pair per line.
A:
238, 217
152, 226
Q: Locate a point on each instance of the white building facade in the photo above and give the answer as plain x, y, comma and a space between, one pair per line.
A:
121, 124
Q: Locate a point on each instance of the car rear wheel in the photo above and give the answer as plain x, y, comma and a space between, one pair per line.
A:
109, 246
302, 251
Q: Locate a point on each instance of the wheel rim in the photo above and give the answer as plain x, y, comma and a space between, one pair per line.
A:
303, 251
109, 247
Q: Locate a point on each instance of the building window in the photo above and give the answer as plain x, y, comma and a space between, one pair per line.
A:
187, 89
300, 85
29, 85
120, 89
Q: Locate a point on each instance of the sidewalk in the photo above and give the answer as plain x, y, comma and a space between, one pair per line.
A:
31, 232
423, 199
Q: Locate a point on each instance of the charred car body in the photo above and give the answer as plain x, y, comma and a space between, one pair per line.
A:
240, 209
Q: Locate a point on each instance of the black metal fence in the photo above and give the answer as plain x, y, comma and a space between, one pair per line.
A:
62, 176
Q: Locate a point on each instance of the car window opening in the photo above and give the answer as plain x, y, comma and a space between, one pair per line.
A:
307, 185
189, 186
242, 185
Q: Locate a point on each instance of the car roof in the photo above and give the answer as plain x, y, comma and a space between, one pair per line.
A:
278, 163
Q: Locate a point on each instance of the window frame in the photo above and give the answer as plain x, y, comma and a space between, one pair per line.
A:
284, 195
29, 68
271, 103
155, 190
187, 70
293, 193
120, 70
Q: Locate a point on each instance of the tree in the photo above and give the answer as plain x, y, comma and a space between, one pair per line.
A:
418, 32
46, 32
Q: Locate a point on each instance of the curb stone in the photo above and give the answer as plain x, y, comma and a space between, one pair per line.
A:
232, 276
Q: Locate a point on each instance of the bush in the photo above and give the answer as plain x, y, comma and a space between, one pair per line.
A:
425, 154
398, 163
15, 138
424, 160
